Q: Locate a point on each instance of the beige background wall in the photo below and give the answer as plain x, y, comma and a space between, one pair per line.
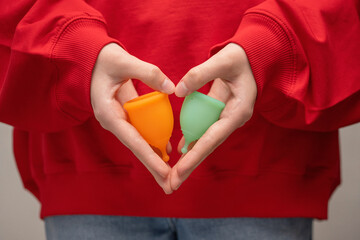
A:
19, 211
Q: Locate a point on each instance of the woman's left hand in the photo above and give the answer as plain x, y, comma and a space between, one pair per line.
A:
235, 85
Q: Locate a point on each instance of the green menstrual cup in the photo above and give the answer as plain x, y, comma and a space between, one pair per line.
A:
198, 113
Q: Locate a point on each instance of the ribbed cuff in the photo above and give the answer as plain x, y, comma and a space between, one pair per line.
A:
74, 55
270, 53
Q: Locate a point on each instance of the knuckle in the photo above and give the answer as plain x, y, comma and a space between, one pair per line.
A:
98, 114
103, 124
154, 73
228, 65
194, 75
100, 117
212, 140
162, 172
121, 61
208, 138
182, 170
246, 114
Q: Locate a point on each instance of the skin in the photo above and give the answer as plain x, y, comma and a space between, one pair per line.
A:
233, 84
111, 87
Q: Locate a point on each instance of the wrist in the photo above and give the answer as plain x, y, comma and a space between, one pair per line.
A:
270, 53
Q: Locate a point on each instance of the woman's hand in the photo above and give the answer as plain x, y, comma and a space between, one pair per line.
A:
111, 87
235, 85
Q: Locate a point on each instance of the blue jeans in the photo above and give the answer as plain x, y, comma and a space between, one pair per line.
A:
96, 227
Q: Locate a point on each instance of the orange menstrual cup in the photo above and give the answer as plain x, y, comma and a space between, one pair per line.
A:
198, 113
151, 114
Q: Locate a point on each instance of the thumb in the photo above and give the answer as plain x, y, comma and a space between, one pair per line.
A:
227, 64
198, 76
150, 74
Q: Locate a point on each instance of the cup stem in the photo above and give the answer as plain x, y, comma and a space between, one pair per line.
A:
184, 149
165, 156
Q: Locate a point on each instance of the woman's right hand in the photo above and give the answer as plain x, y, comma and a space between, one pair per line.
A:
111, 87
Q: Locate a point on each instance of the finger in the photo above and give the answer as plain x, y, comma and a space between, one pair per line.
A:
212, 138
142, 150
237, 111
198, 77
130, 137
111, 116
149, 74
181, 144
116, 63
126, 92
227, 64
234, 115
240, 105
168, 148
220, 90
215, 67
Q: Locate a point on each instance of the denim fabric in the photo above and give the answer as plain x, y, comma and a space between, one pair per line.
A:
95, 227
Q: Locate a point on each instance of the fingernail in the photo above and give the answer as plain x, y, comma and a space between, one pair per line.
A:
168, 86
182, 90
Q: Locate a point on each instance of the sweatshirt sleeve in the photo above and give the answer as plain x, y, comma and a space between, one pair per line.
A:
305, 57
48, 49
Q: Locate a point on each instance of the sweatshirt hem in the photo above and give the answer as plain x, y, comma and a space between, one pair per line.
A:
266, 195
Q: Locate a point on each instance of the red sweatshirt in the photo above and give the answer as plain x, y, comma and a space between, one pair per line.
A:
284, 162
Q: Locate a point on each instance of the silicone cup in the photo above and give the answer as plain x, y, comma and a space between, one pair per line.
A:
198, 113
151, 114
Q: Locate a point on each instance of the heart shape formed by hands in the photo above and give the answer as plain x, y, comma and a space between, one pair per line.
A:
111, 87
